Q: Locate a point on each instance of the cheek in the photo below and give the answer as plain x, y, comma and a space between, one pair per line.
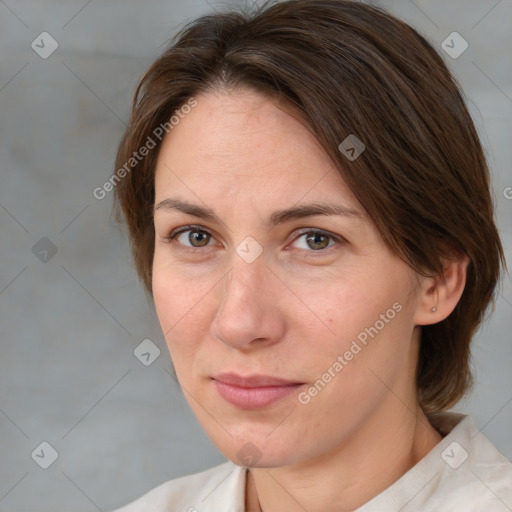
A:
365, 316
180, 304
343, 305
348, 377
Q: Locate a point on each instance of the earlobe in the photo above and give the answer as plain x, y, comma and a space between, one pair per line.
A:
440, 294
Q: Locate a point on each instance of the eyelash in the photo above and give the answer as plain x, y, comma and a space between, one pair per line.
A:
177, 232
311, 231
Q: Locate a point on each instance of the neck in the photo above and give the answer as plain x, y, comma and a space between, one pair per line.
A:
381, 451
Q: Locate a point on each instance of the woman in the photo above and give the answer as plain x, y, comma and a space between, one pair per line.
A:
308, 205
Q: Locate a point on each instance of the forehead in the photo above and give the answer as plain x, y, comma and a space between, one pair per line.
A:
246, 143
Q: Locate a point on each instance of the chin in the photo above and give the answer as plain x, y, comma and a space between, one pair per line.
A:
258, 451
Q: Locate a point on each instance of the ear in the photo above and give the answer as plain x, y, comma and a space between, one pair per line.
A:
442, 292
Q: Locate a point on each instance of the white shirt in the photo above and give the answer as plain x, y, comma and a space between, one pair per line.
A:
463, 473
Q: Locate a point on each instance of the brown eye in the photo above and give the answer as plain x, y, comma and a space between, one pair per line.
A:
191, 237
317, 241
198, 238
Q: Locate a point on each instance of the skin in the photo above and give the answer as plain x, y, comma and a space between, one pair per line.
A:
292, 311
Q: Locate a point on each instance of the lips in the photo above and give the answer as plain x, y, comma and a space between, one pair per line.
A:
253, 392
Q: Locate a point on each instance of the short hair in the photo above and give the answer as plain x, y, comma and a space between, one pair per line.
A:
348, 68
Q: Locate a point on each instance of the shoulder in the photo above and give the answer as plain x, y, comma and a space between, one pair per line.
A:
468, 471
475, 473
221, 484
463, 472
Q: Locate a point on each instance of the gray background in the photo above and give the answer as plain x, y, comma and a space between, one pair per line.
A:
69, 326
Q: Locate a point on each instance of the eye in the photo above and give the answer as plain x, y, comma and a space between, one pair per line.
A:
191, 236
315, 240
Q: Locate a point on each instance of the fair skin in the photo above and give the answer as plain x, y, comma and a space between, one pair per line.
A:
292, 311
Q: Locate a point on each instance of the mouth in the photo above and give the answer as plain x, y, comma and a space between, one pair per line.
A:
253, 392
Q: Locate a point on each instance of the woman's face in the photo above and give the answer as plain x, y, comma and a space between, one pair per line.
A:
289, 329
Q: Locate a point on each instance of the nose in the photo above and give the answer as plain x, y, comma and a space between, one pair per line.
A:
248, 314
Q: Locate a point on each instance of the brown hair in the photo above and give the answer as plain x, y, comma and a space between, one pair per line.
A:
349, 68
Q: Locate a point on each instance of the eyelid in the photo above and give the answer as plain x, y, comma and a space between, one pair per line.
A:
338, 239
297, 234
188, 227
183, 229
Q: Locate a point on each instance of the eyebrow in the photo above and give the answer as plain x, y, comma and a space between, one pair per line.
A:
277, 217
